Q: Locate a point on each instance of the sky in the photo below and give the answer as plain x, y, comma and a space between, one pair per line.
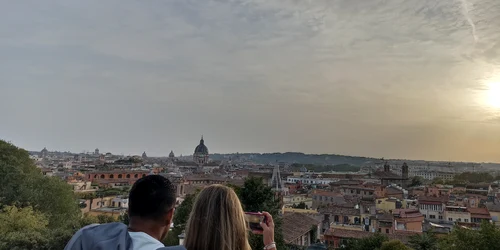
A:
415, 79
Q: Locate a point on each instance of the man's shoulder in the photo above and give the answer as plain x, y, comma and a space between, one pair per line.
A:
101, 236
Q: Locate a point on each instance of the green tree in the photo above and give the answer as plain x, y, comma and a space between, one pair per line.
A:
486, 238
124, 218
22, 228
88, 220
394, 245
438, 180
255, 196
301, 205
473, 177
416, 181
181, 217
425, 241
373, 242
24, 185
102, 219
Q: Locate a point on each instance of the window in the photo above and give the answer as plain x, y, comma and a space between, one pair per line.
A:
379, 229
459, 219
432, 216
466, 220
450, 219
440, 217
387, 230
425, 216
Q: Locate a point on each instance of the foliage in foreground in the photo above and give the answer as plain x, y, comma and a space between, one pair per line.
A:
425, 241
255, 196
486, 238
181, 217
47, 204
368, 243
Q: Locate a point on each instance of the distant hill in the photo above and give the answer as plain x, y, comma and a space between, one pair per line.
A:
298, 158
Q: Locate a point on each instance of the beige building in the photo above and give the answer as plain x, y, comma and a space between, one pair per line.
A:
432, 208
323, 198
457, 214
82, 186
388, 204
296, 199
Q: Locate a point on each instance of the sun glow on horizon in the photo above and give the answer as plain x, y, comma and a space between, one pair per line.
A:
493, 95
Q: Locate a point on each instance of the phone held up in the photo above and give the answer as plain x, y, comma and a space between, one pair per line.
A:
253, 221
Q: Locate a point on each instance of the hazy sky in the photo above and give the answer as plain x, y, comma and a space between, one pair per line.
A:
394, 78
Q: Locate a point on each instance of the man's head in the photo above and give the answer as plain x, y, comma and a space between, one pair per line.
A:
151, 202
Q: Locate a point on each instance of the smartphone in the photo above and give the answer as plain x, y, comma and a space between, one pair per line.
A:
253, 221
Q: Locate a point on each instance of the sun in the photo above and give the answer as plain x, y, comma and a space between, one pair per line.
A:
493, 95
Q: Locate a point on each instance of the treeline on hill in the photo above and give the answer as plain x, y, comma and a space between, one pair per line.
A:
469, 177
295, 157
325, 168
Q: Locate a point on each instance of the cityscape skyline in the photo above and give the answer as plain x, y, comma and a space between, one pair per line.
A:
394, 79
190, 154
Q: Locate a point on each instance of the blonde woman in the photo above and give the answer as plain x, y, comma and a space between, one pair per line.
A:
217, 222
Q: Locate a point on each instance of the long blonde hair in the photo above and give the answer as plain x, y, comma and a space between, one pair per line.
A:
217, 221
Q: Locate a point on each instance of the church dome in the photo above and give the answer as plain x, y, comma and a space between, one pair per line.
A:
201, 149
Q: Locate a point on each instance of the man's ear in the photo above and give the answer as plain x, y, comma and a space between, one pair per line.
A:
170, 216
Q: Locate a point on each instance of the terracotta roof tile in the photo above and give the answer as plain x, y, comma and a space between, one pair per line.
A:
296, 225
339, 210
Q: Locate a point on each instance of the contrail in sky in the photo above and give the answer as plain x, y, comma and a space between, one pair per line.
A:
465, 10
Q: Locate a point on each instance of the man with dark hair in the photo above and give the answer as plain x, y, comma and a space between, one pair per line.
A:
151, 210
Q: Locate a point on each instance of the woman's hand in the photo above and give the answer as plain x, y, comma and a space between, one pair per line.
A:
268, 231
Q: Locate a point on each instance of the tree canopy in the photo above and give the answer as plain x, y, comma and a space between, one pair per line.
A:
181, 217
255, 196
425, 241
22, 228
369, 243
416, 181
394, 245
46, 202
24, 185
486, 238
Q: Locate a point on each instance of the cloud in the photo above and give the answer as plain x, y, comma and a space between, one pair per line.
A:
256, 65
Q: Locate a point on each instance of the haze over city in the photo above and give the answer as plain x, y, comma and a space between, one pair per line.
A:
416, 79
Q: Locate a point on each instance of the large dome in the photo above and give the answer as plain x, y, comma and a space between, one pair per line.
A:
201, 149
